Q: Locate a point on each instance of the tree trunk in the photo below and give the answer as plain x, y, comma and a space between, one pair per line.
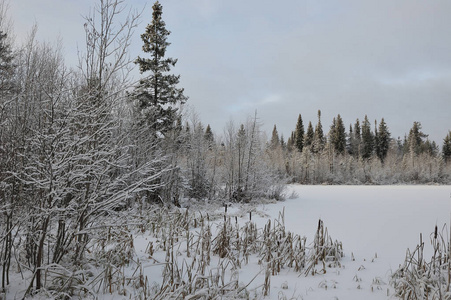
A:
40, 255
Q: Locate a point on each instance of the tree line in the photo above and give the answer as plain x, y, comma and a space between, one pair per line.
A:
362, 155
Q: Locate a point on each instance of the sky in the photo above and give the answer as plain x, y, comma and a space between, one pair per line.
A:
386, 59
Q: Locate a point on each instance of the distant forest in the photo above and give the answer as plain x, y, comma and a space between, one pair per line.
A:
362, 155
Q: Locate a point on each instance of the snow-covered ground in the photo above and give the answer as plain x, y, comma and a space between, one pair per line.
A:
376, 224
369, 219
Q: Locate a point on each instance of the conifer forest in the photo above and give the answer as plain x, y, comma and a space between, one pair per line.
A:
90, 154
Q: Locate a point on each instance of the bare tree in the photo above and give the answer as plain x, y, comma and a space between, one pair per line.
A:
69, 157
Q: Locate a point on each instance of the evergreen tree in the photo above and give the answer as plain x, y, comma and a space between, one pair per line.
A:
155, 99
332, 134
430, 148
338, 135
341, 139
208, 136
415, 144
357, 130
350, 141
299, 134
274, 143
367, 139
382, 141
290, 142
434, 149
157, 94
282, 142
318, 140
376, 137
309, 135
357, 139
446, 148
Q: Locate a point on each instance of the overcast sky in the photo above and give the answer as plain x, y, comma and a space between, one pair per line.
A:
386, 59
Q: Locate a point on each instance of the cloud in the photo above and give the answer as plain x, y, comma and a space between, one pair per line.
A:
245, 104
207, 8
383, 58
271, 99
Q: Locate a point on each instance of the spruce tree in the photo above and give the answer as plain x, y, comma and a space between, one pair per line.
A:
430, 148
446, 148
208, 136
434, 149
299, 134
332, 133
157, 94
338, 135
382, 141
415, 144
357, 130
318, 140
274, 138
367, 139
290, 142
350, 141
356, 147
376, 138
341, 139
282, 142
309, 135
155, 99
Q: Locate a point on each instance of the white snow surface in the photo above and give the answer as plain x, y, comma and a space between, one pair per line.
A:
376, 225
370, 221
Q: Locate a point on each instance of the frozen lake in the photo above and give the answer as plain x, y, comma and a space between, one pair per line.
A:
376, 225
367, 219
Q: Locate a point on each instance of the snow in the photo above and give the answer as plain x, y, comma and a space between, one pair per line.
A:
376, 225
369, 219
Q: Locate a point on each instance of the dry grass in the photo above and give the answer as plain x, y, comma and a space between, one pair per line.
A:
419, 278
202, 257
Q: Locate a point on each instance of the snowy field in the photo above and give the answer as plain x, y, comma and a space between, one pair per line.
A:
376, 224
